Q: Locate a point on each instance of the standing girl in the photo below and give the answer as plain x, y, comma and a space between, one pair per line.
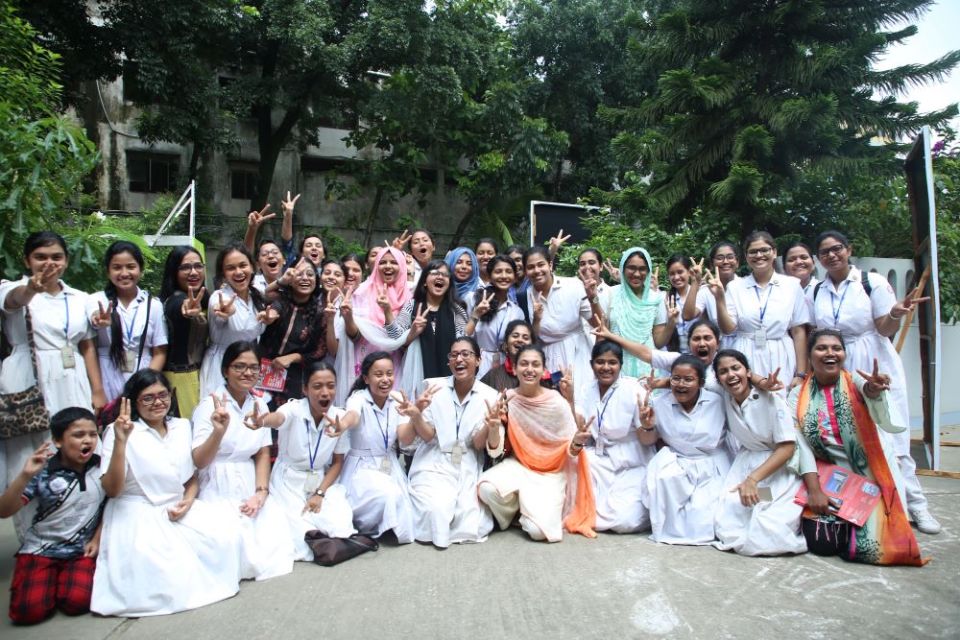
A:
184, 300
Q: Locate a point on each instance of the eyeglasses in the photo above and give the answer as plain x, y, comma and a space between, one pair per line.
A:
762, 251
187, 268
245, 368
270, 252
155, 398
439, 274
836, 250
634, 268
465, 354
726, 257
683, 379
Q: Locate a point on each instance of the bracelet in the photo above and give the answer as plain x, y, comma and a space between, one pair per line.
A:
648, 429
893, 317
262, 490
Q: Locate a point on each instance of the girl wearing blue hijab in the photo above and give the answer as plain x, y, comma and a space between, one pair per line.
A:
465, 268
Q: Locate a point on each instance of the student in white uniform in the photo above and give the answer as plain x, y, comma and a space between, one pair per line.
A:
798, 262
724, 260
236, 312
234, 466
757, 515
449, 456
555, 305
618, 462
66, 350
867, 322
671, 331
372, 474
766, 315
491, 309
131, 332
308, 465
162, 550
685, 479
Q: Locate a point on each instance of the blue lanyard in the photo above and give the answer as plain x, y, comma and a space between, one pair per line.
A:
613, 392
312, 454
763, 309
133, 322
66, 309
463, 411
385, 434
837, 307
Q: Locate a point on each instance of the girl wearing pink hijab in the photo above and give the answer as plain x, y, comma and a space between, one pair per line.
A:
364, 313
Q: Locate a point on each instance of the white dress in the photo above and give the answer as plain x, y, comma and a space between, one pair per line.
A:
445, 470
242, 325
850, 311
303, 446
266, 550
132, 321
618, 462
683, 326
376, 484
761, 422
763, 316
685, 478
149, 565
564, 341
58, 320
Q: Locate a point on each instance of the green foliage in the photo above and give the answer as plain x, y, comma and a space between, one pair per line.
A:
947, 192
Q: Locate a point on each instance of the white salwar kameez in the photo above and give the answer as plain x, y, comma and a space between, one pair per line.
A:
618, 462
564, 341
376, 484
133, 318
148, 564
760, 423
266, 550
242, 325
444, 491
763, 317
302, 448
849, 310
59, 320
685, 478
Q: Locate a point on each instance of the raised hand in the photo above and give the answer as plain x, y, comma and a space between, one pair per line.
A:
426, 397
905, 306
401, 241
268, 316
556, 242
37, 460
419, 320
601, 330
713, 281
696, 268
254, 419
346, 303
383, 301
566, 384
590, 285
673, 311
334, 429
191, 304
612, 270
582, 435
330, 309
648, 420
655, 279
538, 306
287, 205
876, 382
771, 382
44, 277
225, 308
220, 416
649, 381
291, 275
483, 306
123, 424
102, 318
256, 218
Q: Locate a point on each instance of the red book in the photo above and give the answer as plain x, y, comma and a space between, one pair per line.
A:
853, 497
271, 378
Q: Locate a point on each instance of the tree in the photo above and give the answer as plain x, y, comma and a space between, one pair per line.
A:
751, 92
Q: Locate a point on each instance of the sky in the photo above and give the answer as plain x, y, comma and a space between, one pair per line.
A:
937, 36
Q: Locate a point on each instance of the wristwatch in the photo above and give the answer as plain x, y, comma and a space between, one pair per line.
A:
319, 492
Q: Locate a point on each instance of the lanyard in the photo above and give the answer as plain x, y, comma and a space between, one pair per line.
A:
613, 392
384, 433
132, 325
66, 310
763, 309
839, 305
461, 413
312, 450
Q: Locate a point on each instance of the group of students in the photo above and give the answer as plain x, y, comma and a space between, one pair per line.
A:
435, 399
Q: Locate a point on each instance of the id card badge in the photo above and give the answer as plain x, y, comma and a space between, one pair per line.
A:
385, 465
760, 338
129, 361
312, 483
600, 447
68, 355
456, 454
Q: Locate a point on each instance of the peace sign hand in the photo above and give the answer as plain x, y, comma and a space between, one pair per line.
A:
538, 307
123, 424
905, 306
268, 316
648, 419
256, 218
330, 309
287, 205
44, 277
771, 382
696, 269
419, 320
103, 318
655, 279
590, 285
673, 311
334, 428
716, 285
601, 330
220, 418
483, 306
254, 419
876, 382
558, 241
566, 384
612, 270
582, 435
191, 304
401, 241
225, 308
346, 303
427, 397
383, 301
37, 460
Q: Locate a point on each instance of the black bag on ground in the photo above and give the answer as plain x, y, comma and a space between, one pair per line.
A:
329, 551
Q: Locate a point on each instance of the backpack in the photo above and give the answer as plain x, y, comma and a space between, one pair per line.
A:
864, 281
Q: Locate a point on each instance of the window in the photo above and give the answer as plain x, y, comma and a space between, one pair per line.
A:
320, 164
243, 182
151, 172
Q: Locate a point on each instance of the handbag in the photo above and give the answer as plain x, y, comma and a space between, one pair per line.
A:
24, 412
329, 551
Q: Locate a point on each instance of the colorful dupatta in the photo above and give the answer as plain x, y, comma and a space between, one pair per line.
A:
886, 538
539, 431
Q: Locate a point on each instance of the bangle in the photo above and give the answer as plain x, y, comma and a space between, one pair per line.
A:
648, 429
262, 490
893, 317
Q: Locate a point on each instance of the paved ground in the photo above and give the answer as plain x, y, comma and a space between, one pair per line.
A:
612, 587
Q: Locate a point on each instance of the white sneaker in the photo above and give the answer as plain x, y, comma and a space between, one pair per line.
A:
925, 522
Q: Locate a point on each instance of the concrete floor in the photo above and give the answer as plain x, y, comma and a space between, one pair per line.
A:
612, 587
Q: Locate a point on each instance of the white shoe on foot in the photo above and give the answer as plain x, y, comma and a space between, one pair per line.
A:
925, 522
